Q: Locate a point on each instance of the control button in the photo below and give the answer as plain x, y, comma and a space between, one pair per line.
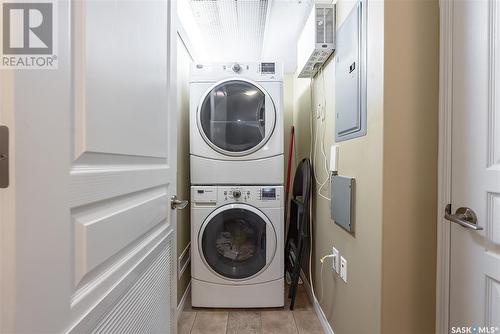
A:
236, 193
236, 68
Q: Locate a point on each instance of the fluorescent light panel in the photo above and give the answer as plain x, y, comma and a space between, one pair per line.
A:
232, 29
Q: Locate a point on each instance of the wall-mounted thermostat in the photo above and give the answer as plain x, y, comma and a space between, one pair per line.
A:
350, 75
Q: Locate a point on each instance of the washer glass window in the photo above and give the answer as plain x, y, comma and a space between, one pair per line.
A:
233, 117
234, 243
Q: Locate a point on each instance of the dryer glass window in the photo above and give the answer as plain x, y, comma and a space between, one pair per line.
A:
232, 116
234, 243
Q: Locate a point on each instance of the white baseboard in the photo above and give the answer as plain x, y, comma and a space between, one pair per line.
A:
317, 307
182, 303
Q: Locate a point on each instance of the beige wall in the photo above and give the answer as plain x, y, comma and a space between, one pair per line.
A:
410, 166
353, 307
183, 180
375, 296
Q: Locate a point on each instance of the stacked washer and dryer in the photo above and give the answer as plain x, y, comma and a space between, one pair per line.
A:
237, 198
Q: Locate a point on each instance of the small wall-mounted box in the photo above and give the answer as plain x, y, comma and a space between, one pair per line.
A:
342, 197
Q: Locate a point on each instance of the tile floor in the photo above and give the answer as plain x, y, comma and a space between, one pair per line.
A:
302, 320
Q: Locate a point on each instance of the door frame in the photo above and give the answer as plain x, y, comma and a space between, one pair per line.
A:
444, 164
7, 209
172, 118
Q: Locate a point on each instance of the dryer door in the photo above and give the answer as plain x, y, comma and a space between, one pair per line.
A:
237, 241
236, 117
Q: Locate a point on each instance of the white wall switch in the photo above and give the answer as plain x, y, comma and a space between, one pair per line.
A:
343, 268
335, 260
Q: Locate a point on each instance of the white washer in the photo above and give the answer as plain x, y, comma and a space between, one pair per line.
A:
236, 122
237, 235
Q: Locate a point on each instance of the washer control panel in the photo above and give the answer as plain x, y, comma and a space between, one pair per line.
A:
256, 195
267, 196
236, 194
268, 193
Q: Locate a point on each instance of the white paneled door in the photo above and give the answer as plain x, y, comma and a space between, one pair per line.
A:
475, 253
88, 239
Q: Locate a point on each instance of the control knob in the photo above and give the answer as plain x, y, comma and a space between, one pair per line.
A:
236, 68
236, 193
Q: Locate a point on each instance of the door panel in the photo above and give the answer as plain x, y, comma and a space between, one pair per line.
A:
104, 229
95, 170
142, 309
121, 177
122, 78
475, 255
493, 209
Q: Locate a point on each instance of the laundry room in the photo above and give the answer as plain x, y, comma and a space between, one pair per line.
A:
261, 103
250, 166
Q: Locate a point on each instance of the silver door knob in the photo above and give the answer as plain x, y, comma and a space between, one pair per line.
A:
463, 216
176, 203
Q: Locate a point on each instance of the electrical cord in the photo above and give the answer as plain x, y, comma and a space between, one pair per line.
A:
320, 132
312, 158
322, 260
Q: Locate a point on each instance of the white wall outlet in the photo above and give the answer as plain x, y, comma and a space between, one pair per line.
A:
343, 268
335, 260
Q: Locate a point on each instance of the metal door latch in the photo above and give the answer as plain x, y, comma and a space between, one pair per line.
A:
177, 203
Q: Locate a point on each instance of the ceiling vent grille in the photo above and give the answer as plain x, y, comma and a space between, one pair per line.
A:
234, 26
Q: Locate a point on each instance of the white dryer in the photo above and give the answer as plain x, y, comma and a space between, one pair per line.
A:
236, 122
237, 235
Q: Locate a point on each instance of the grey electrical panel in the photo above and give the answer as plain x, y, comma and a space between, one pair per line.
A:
342, 194
350, 76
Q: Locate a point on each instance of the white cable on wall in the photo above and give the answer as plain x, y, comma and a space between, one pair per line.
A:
320, 126
320, 133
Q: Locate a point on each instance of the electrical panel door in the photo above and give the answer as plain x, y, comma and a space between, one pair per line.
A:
350, 77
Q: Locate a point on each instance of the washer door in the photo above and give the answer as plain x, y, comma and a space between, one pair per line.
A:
236, 117
237, 241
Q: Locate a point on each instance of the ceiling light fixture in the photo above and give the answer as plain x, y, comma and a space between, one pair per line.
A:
250, 92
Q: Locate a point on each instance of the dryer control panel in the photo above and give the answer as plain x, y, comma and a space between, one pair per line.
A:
263, 71
261, 196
